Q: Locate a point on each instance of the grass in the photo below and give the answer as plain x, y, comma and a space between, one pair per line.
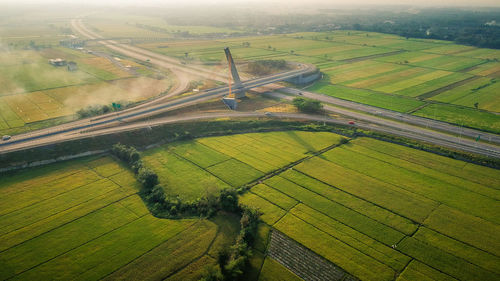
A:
234, 172
350, 204
433, 85
462, 116
273, 271
337, 211
459, 249
466, 228
430, 173
158, 263
443, 261
470, 172
271, 213
82, 220
417, 271
355, 203
333, 250
416, 182
396, 103
180, 177
283, 201
198, 153
351, 237
399, 201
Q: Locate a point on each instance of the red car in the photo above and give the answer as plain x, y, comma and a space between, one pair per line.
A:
351, 122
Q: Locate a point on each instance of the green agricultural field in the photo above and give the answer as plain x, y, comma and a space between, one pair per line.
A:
483, 91
375, 209
462, 116
378, 210
396, 103
196, 168
73, 220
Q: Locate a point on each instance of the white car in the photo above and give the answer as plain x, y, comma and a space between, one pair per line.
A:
268, 113
6, 138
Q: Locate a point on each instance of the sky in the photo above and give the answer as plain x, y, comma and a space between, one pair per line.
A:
332, 3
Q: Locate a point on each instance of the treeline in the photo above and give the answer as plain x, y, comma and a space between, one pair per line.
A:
231, 262
475, 28
472, 26
265, 67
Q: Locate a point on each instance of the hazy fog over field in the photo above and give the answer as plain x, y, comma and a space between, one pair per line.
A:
331, 3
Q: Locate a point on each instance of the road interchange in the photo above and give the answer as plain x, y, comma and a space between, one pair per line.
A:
378, 119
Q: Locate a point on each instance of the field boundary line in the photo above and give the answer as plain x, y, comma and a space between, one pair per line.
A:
354, 195
68, 222
344, 273
74, 206
421, 174
159, 244
53, 160
205, 253
56, 195
446, 88
438, 201
409, 160
78, 246
381, 243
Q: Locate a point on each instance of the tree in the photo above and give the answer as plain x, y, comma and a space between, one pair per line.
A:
476, 105
148, 178
307, 105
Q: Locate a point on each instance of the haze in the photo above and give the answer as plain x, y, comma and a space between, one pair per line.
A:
490, 3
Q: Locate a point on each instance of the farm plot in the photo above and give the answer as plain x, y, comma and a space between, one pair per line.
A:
181, 177
451, 63
491, 69
462, 116
195, 168
396, 103
35, 73
73, 220
435, 84
487, 54
354, 212
101, 68
483, 91
349, 73
449, 49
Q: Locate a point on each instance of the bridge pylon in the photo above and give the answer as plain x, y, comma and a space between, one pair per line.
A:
235, 88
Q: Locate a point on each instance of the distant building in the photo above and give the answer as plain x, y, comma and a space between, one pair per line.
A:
72, 66
72, 43
57, 62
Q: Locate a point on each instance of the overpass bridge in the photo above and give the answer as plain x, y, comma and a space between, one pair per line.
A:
133, 114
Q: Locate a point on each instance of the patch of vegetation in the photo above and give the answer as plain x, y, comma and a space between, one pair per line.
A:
95, 110
307, 105
265, 67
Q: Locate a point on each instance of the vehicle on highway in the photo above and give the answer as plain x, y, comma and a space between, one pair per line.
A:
351, 123
268, 114
6, 138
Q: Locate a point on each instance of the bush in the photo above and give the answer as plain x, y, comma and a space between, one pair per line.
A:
147, 177
307, 105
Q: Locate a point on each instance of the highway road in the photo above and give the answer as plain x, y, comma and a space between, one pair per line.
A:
153, 107
384, 114
403, 129
127, 119
431, 137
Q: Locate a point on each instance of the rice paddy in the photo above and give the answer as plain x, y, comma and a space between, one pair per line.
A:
375, 209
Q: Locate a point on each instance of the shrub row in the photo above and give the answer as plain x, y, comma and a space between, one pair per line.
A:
231, 262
